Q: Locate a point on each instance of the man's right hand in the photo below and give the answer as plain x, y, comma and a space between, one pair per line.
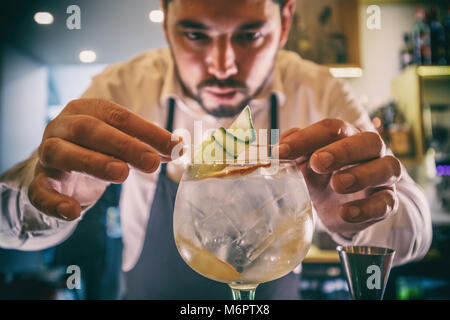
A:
98, 138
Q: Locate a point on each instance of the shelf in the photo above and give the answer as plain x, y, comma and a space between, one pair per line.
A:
415, 90
342, 65
433, 71
410, 161
407, 2
316, 255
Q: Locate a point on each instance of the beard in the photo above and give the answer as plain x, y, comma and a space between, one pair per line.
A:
223, 110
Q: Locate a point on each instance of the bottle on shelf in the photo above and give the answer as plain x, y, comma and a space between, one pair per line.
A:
400, 134
421, 39
407, 52
447, 33
437, 38
395, 130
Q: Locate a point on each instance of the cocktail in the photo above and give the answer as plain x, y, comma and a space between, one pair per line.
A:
240, 219
244, 224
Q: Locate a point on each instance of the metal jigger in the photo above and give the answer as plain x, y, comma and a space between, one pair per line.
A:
366, 269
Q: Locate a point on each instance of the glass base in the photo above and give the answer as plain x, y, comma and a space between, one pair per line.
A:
243, 292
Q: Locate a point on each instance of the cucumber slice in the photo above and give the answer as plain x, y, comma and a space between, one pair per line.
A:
210, 152
231, 144
242, 127
243, 121
224, 145
244, 135
198, 156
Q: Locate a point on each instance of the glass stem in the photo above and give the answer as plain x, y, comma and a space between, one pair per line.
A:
239, 294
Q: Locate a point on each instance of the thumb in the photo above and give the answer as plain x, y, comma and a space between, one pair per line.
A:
44, 196
317, 183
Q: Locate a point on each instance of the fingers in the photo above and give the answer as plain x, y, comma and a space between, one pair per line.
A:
47, 200
288, 132
377, 206
71, 157
295, 143
379, 172
126, 121
94, 134
349, 150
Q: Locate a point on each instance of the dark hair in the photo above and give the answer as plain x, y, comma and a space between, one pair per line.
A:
280, 2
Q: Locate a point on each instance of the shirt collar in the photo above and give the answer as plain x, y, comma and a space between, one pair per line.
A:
172, 88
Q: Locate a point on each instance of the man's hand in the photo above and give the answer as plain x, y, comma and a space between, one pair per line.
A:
98, 138
350, 179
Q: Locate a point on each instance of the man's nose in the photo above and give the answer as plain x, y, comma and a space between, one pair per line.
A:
221, 59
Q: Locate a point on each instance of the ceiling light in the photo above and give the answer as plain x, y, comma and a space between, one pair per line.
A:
156, 16
87, 56
43, 18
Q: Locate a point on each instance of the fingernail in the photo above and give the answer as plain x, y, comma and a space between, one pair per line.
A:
176, 138
115, 170
346, 180
326, 159
353, 212
62, 209
281, 151
147, 161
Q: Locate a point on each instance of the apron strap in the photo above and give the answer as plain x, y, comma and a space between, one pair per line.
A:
169, 123
169, 127
273, 111
273, 119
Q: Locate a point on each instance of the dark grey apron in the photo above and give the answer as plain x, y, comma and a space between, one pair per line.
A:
161, 273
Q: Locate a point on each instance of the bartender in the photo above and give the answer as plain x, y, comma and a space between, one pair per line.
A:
222, 55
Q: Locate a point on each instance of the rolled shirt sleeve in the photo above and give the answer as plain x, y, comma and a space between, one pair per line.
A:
408, 231
22, 226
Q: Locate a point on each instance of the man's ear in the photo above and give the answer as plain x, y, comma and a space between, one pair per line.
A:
287, 12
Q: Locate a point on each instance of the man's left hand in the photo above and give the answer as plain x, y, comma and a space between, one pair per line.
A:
350, 179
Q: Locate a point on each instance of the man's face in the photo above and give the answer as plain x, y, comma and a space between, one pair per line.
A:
224, 50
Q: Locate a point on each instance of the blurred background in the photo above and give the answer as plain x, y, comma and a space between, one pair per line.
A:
398, 67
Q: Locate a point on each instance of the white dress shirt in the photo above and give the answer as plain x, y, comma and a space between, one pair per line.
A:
306, 93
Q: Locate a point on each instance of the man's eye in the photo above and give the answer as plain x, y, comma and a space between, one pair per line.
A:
195, 36
250, 36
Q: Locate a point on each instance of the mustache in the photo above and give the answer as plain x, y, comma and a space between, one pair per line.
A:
227, 83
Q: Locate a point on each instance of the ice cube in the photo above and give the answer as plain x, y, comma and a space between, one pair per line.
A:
252, 243
248, 196
214, 230
213, 226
